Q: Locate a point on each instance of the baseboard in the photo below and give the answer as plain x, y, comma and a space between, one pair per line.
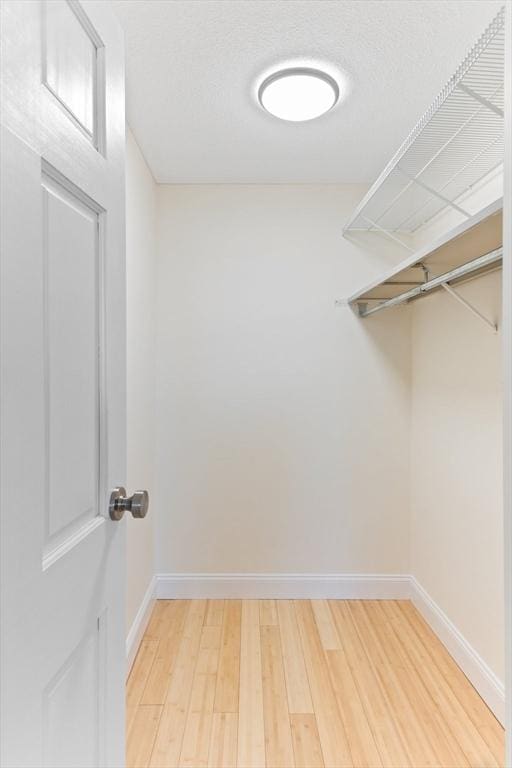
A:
284, 586
335, 586
139, 625
488, 685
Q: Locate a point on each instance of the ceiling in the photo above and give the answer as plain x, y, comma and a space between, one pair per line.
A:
193, 67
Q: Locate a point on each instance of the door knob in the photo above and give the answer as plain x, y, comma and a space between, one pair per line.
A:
120, 503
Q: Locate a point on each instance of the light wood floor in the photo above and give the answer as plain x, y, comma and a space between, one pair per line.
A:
301, 684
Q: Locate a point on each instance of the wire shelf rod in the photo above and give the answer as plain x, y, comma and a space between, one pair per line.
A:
389, 234
465, 269
486, 102
450, 180
436, 193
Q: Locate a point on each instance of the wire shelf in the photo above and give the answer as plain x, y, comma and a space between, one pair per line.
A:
470, 248
455, 145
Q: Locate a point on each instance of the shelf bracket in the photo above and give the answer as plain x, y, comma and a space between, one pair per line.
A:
426, 271
434, 192
470, 307
389, 234
481, 99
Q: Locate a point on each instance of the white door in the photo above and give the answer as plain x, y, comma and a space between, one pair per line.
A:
62, 385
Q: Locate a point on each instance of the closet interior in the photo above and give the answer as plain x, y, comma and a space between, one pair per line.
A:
370, 434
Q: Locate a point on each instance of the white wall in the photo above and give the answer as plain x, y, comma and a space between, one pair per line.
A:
456, 469
282, 421
140, 272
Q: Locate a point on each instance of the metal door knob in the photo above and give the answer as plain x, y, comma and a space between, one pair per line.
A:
120, 503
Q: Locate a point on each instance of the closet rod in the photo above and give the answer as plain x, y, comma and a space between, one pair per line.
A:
465, 269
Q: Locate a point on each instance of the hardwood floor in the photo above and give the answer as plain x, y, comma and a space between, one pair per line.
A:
302, 684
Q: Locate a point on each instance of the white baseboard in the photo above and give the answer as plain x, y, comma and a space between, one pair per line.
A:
336, 586
488, 685
290, 586
139, 625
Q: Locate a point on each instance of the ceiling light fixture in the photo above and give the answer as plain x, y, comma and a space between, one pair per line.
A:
298, 94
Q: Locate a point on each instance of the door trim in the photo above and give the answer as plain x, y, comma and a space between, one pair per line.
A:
507, 379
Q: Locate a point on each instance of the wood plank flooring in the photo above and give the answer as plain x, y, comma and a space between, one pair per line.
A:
302, 684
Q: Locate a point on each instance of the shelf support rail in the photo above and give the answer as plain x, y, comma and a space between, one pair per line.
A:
485, 102
470, 307
389, 234
432, 191
436, 282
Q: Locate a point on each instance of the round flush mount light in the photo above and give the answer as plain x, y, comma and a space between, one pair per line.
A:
298, 93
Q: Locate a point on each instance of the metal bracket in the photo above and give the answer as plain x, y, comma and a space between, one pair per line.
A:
426, 271
470, 307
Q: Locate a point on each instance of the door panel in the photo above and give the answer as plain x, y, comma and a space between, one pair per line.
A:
62, 382
72, 290
73, 735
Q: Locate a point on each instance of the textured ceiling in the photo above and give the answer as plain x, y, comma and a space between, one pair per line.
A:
193, 66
